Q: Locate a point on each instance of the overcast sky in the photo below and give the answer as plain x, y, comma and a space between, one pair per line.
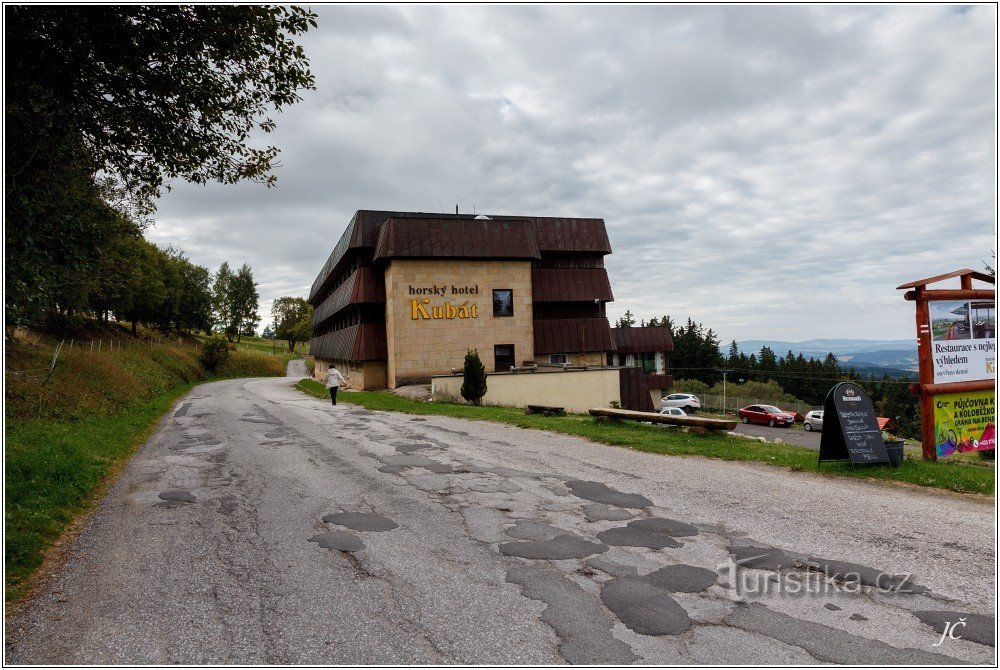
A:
772, 172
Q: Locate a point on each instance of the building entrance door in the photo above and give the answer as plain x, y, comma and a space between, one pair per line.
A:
503, 357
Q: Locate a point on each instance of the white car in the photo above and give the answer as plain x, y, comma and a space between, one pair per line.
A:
813, 420
672, 411
686, 401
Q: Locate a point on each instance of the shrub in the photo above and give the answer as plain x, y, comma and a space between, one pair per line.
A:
473, 378
214, 353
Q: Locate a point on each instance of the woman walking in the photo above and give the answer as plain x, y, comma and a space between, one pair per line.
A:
333, 381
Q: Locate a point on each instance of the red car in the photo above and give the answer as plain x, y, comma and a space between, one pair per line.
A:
766, 414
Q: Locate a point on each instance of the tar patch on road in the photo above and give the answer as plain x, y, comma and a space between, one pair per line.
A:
362, 521
644, 608
558, 548
338, 540
977, 627
682, 578
665, 527
636, 537
176, 498
602, 493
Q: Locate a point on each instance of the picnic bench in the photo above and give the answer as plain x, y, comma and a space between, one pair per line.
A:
655, 417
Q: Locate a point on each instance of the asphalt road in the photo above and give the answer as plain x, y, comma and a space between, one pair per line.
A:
787, 435
262, 526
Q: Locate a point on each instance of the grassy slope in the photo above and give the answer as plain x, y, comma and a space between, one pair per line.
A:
954, 476
65, 438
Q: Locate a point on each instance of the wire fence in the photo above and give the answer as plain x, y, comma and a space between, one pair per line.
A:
730, 404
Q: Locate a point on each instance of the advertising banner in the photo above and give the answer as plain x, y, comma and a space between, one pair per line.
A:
963, 340
965, 422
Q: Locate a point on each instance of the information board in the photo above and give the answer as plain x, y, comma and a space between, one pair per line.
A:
850, 427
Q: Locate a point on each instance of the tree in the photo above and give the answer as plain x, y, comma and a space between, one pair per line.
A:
473, 378
105, 103
158, 91
626, 321
244, 301
293, 317
222, 306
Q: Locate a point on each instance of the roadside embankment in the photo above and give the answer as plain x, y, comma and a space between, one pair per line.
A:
68, 433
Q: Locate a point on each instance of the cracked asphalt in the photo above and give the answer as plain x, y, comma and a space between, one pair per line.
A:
262, 526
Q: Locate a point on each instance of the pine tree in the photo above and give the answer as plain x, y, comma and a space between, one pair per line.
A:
474, 378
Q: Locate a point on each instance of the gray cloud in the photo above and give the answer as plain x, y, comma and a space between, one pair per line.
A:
768, 171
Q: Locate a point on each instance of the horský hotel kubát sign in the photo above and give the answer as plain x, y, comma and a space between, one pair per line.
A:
422, 308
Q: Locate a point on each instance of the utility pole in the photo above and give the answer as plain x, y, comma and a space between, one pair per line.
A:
724, 373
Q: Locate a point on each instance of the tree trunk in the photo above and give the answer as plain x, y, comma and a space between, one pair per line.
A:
134, 328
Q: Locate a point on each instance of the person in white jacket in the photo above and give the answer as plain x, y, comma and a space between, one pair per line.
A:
333, 381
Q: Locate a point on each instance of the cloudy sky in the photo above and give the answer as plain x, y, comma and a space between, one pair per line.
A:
772, 172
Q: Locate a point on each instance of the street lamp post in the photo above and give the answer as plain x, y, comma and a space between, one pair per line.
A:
724, 373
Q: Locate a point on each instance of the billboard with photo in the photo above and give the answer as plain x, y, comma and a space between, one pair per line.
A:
963, 340
965, 422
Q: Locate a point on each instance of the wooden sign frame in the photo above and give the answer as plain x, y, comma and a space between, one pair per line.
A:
926, 388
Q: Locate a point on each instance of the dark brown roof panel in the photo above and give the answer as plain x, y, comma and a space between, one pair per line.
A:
455, 238
562, 234
365, 285
562, 336
570, 285
643, 340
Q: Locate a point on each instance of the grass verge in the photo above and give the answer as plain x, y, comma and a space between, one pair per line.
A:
67, 438
965, 477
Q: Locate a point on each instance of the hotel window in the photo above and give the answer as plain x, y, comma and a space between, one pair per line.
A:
558, 359
503, 302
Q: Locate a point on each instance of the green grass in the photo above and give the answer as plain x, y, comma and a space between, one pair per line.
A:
55, 468
277, 347
961, 476
65, 439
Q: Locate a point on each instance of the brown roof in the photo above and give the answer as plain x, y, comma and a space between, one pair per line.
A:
450, 238
362, 342
561, 336
981, 276
551, 234
646, 339
570, 285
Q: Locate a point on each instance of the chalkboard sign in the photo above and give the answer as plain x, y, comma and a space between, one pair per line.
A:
850, 428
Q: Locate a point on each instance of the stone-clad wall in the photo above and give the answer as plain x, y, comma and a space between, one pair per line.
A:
421, 347
576, 391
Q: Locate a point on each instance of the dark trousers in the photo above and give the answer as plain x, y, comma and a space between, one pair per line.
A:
333, 394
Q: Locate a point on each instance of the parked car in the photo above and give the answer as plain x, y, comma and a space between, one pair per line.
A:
766, 414
672, 411
813, 420
686, 401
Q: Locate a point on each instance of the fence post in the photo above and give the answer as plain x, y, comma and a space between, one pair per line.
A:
99, 343
91, 346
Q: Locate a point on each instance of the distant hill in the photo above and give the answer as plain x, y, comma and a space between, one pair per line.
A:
861, 354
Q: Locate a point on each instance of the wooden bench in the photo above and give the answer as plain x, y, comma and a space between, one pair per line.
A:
656, 417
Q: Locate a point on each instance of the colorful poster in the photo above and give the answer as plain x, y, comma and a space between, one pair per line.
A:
963, 340
965, 422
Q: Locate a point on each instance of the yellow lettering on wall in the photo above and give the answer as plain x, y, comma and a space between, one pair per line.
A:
417, 309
